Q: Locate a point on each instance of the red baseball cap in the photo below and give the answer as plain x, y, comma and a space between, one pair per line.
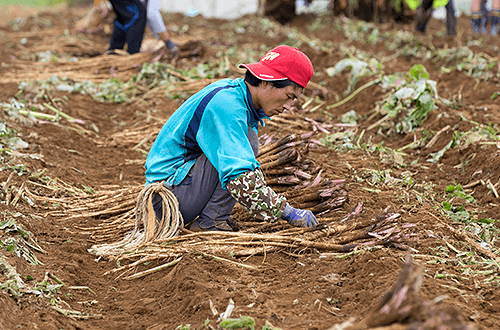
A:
283, 62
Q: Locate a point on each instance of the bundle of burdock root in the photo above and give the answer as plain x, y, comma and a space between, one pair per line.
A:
288, 170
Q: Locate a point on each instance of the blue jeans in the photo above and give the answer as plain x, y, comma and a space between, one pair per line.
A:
129, 25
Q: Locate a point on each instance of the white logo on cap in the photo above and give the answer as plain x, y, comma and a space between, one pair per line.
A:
270, 56
266, 75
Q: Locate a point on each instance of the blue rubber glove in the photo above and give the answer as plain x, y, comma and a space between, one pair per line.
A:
298, 217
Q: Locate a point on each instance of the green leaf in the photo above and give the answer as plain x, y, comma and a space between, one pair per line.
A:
358, 69
243, 322
436, 156
451, 188
349, 117
458, 191
418, 72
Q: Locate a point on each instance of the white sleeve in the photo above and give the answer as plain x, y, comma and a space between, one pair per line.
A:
154, 19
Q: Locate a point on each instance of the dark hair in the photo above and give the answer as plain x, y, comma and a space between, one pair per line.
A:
254, 81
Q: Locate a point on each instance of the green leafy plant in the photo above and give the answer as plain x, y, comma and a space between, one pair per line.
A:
407, 108
465, 60
269, 326
341, 141
358, 69
361, 31
456, 213
21, 243
243, 322
436, 156
418, 72
479, 133
184, 327
14, 282
8, 139
458, 191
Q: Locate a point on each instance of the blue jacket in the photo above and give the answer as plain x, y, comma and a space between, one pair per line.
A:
213, 122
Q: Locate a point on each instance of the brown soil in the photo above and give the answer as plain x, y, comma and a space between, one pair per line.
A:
289, 288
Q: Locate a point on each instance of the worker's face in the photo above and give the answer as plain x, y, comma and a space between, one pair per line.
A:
274, 100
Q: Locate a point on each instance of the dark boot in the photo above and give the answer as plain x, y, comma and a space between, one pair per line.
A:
210, 225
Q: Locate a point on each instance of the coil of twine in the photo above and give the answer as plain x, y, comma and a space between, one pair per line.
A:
148, 227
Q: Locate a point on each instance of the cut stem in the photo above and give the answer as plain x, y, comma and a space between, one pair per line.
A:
226, 260
347, 99
153, 270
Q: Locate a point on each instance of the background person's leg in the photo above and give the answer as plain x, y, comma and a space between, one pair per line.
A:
129, 25
136, 32
479, 16
495, 16
451, 19
424, 14
119, 37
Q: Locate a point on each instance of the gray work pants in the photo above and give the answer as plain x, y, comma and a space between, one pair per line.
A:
201, 194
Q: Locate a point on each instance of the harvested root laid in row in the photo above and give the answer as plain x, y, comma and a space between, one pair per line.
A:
147, 228
384, 230
97, 69
288, 169
117, 208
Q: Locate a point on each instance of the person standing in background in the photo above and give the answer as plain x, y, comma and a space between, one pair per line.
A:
130, 23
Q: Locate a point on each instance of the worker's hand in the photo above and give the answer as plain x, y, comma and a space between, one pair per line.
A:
174, 50
298, 217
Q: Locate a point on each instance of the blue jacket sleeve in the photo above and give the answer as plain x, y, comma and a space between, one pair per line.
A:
223, 137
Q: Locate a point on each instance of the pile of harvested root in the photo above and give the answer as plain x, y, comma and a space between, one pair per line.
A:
96, 69
288, 169
402, 308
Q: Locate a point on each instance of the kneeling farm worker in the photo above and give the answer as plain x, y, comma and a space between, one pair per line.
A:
206, 151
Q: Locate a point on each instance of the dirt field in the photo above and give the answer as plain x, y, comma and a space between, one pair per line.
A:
426, 185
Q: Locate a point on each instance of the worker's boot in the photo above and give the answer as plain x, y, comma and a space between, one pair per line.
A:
495, 21
210, 225
478, 22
